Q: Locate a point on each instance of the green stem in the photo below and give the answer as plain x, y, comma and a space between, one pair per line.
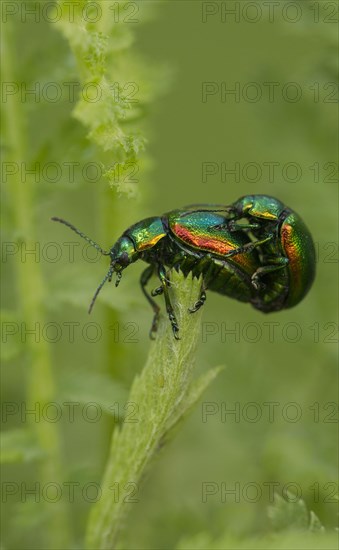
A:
160, 396
31, 297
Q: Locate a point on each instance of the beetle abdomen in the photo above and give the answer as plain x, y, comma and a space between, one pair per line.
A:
297, 244
228, 280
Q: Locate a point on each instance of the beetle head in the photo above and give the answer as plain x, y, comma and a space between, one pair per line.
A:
262, 207
122, 254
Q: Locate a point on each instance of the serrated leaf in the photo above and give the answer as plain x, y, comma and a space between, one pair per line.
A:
163, 394
315, 523
124, 81
288, 513
19, 445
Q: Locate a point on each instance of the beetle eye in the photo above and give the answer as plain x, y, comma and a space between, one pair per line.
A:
124, 259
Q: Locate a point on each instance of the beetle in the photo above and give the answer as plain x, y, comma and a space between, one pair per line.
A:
288, 248
210, 241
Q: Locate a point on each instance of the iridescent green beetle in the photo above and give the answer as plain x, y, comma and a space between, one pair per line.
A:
288, 252
236, 259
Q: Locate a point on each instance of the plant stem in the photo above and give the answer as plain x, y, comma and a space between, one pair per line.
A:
31, 297
161, 396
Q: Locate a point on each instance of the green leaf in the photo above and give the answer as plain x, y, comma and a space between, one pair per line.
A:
164, 394
287, 514
315, 523
121, 82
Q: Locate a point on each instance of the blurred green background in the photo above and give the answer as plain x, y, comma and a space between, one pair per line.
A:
281, 370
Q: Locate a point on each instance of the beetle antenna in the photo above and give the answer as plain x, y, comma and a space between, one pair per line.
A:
71, 226
108, 277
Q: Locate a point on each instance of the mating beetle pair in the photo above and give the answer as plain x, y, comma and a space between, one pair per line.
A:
255, 250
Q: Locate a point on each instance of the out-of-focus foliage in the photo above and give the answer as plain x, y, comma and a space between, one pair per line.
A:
58, 140
284, 362
298, 528
117, 84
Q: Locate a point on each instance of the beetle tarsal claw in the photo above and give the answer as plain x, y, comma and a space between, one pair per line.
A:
157, 291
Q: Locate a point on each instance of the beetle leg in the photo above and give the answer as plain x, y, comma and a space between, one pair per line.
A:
145, 277
118, 279
248, 247
169, 307
234, 226
199, 303
197, 270
277, 263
